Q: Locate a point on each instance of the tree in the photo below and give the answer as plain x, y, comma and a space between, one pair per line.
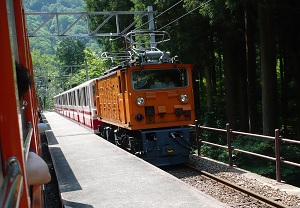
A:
110, 26
45, 77
250, 30
70, 52
94, 62
268, 67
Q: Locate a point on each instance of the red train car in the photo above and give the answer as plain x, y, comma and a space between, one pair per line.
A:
16, 119
79, 104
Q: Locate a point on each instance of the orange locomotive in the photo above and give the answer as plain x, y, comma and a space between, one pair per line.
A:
18, 120
147, 106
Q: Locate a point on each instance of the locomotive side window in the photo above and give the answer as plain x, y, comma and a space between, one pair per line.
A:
120, 85
159, 78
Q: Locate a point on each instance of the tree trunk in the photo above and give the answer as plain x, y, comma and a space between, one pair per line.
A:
242, 80
293, 40
209, 99
196, 86
268, 68
230, 79
251, 66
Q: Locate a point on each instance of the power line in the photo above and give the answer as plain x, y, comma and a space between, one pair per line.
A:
160, 14
185, 14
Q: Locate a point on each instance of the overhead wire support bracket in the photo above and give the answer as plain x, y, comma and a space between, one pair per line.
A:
80, 18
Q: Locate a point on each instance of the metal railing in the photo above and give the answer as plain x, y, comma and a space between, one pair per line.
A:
11, 188
27, 140
229, 133
10, 192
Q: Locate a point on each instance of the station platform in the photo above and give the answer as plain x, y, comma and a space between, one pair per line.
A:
92, 172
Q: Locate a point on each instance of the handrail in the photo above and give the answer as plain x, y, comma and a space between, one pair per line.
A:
10, 192
229, 132
28, 140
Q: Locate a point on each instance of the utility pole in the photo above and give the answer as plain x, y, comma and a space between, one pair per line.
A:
151, 27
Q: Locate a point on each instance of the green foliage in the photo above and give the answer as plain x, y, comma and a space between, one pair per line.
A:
70, 52
49, 45
215, 153
44, 75
290, 174
110, 27
94, 63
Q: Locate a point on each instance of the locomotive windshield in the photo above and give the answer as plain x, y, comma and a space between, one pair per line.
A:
159, 78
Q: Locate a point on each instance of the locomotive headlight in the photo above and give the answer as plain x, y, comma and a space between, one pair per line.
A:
184, 98
140, 101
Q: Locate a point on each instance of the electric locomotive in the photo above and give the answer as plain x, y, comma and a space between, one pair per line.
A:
144, 105
147, 106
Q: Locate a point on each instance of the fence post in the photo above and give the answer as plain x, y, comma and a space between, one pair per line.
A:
277, 153
228, 133
197, 137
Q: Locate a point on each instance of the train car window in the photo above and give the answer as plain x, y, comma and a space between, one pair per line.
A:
69, 99
73, 98
94, 95
12, 30
159, 78
84, 96
87, 96
78, 98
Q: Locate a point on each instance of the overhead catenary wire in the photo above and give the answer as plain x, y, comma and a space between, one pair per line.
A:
185, 14
160, 14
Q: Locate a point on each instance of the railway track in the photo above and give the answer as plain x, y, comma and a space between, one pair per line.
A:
254, 198
223, 190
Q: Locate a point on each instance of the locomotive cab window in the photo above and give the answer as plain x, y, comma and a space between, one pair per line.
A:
159, 78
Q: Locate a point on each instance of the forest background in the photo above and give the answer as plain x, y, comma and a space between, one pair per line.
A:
246, 57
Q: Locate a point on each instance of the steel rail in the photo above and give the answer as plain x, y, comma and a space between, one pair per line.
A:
241, 189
